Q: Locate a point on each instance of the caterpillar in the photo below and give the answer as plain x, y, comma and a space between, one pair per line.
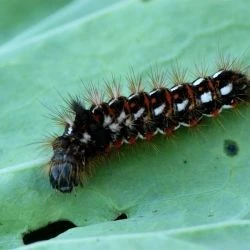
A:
89, 132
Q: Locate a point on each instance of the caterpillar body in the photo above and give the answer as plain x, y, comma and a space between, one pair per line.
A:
105, 125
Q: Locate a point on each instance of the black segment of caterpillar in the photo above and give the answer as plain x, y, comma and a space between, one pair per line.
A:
94, 131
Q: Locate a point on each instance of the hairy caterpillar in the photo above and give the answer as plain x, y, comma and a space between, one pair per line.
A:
105, 125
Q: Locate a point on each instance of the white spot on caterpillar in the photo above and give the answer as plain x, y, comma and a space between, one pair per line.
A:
94, 109
207, 115
159, 110
175, 87
227, 106
243, 87
184, 124
132, 96
115, 127
152, 92
141, 136
198, 81
70, 129
212, 115
217, 73
182, 106
70, 123
121, 117
226, 89
156, 131
177, 126
129, 123
111, 102
206, 97
85, 137
107, 120
127, 142
139, 113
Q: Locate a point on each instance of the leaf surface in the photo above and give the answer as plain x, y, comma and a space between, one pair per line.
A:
182, 192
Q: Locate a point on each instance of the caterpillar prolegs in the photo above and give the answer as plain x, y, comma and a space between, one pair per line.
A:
93, 131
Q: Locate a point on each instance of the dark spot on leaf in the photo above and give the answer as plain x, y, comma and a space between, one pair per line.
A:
155, 211
231, 148
211, 213
185, 161
122, 216
50, 231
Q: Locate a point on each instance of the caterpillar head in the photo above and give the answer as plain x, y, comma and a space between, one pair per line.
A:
67, 163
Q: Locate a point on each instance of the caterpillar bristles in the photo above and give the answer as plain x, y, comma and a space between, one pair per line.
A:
157, 78
65, 114
48, 140
91, 133
200, 69
56, 115
113, 88
177, 74
135, 82
92, 95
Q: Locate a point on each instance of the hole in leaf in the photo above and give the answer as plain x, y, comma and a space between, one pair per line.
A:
122, 216
50, 231
231, 148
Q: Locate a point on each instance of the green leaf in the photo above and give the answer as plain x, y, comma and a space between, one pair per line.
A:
182, 192
15, 18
